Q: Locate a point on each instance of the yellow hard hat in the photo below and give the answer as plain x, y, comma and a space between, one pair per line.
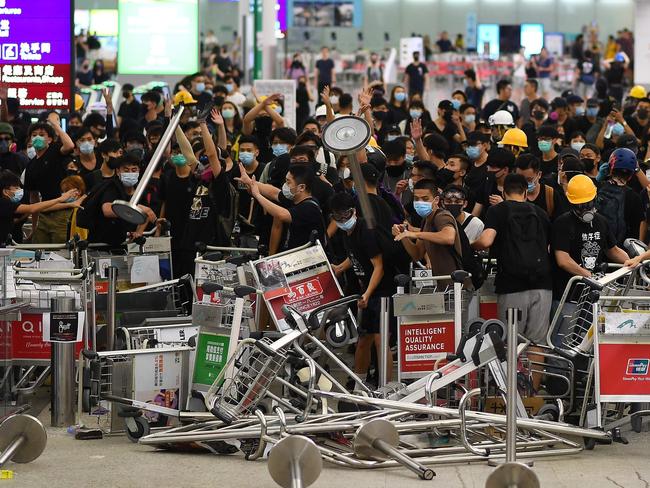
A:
184, 97
78, 102
581, 189
514, 137
638, 91
373, 142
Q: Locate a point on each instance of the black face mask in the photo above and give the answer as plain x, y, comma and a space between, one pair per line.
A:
395, 171
455, 209
71, 172
589, 164
642, 113
113, 163
381, 116
538, 115
444, 177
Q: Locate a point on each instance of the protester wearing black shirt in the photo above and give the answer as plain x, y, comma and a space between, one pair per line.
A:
501, 102
10, 160
415, 76
375, 273
130, 108
325, 74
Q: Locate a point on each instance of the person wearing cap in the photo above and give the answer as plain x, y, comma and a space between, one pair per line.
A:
448, 124
130, 108
589, 123
560, 116
10, 160
639, 121
547, 138
617, 202
581, 238
634, 96
499, 164
501, 102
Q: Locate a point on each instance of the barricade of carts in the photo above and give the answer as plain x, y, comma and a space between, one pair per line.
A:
190, 363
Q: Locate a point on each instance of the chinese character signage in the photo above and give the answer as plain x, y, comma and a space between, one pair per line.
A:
36, 52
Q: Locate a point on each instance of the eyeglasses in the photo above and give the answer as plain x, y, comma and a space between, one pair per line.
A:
342, 216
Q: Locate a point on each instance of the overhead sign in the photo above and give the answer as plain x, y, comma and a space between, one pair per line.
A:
36, 52
158, 37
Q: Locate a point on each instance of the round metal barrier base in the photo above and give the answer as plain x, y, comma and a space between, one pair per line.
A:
33, 432
367, 434
128, 212
346, 134
295, 456
512, 475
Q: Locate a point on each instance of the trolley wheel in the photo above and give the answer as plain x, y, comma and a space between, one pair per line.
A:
496, 326
336, 339
141, 429
590, 443
85, 400
475, 327
637, 423
548, 411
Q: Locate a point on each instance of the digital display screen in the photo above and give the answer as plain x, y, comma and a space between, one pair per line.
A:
532, 38
103, 22
487, 40
328, 13
36, 52
158, 37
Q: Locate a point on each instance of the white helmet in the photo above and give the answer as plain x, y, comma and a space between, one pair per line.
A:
501, 117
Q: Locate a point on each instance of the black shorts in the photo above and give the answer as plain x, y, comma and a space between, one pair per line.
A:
371, 316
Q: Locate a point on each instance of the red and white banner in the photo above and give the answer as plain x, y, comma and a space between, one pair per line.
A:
422, 344
624, 372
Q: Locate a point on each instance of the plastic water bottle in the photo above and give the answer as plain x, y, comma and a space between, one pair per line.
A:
608, 131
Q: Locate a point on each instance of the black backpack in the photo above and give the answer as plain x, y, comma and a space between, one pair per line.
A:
524, 248
610, 203
88, 214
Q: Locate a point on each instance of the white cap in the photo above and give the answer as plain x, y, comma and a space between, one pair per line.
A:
501, 117
321, 111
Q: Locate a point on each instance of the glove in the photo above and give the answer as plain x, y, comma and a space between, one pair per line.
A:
603, 172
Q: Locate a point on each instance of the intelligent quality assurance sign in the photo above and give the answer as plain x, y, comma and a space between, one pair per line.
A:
36, 52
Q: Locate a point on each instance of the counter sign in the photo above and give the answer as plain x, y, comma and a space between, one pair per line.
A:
36, 52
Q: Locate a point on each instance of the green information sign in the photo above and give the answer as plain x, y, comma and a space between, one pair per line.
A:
211, 357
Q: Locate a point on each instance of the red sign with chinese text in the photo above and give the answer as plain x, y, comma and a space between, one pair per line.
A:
624, 370
307, 294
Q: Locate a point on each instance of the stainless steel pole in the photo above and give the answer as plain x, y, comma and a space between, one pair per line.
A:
130, 211
384, 331
110, 307
511, 394
62, 398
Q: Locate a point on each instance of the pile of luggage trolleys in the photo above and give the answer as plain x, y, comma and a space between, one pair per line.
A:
287, 396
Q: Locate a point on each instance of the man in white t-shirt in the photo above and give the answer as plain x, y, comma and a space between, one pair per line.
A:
454, 199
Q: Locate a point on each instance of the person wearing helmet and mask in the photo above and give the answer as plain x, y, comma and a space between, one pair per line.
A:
581, 239
635, 95
616, 201
501, 102
515, 141
500, 122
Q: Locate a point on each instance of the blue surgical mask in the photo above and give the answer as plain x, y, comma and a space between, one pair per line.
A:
545, 146
531, 186
228, 113
423, 209
39, 143
400, 96
455, 103
129, 179
17, 196
577, 146
415, 114
348, 225
86, 147
178, 160
247, 158
200, 87
286, 191
391, 137
31, 152
409, 158
278, 109
618, 129
580, 111
229, 87
470, 119
279, 149
592, 111
473, 152
69, 200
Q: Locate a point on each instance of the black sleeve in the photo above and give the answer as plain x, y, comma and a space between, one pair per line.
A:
7, 208
560, 235
371, 242
110, 129
634, 213
308, 214
494, 217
